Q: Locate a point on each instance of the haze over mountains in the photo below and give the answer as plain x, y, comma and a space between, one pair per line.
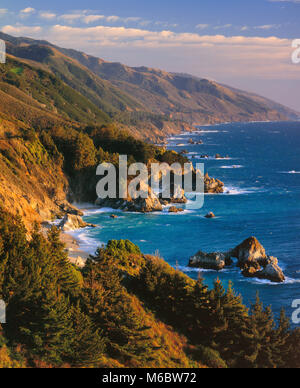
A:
62, 85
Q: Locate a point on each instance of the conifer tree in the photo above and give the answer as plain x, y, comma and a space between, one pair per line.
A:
258, 338
69, 278
199, 314
87, 345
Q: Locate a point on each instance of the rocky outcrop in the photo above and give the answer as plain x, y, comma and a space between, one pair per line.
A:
249, 252
251, 259
213, 186
174, 209
272, 272
72, 222
139, 205
155, 202
215, 261
67, 208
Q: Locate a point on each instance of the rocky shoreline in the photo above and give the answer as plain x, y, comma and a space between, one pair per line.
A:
155, 202
251, 259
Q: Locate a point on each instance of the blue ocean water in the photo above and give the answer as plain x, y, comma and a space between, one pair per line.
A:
262, 199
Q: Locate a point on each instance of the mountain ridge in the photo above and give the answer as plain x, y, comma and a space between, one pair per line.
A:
149, 103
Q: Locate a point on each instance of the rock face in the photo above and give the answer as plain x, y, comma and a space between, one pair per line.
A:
155, 202
272, 272
252, 260
72, 222
213, 186
215, 261
66, 207
249, 252
139, 205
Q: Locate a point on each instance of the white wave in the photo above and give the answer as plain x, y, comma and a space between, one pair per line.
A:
86, 243
213, 158
209, 131
269, 283
91, 212
230, 167
165, 212
232, 190
202, 270
289, 172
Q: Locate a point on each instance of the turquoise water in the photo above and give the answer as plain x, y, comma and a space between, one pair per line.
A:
262, 199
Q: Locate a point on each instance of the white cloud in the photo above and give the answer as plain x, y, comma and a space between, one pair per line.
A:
113, 18
20, 30
211, 56
27, 11
267, 27
223, 27
202, 26
92, 18
71, 17
47, 15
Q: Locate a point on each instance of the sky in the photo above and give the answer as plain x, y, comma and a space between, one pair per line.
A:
242, 43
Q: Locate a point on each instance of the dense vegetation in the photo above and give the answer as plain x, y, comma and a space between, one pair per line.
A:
125, 309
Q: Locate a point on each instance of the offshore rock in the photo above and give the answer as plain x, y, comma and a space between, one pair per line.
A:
215, 261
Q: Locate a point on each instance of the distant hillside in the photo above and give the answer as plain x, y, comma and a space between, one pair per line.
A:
149, 103
40, 99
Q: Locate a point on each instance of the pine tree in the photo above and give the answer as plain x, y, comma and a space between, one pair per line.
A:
218, 321
87, 345
282, 347
258, 338
199, 314
69, 278
235, 314
106, 301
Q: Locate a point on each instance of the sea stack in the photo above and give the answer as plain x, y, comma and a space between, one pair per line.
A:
251, 259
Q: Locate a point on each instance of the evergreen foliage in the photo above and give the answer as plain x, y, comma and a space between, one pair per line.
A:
58, 315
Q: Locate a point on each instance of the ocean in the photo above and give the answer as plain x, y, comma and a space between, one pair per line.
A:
261, 199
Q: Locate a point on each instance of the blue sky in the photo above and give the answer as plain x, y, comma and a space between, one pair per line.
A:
243, 43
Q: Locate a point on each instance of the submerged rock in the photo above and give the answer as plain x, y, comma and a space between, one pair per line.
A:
174, 209
210, 215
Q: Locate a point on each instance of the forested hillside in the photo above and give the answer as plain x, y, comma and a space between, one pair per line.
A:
124, 309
